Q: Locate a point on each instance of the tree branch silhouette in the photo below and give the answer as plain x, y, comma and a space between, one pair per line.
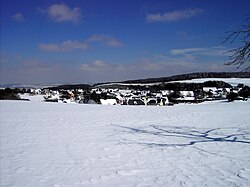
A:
240, 55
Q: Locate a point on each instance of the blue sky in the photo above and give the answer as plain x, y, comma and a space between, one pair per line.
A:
90, 41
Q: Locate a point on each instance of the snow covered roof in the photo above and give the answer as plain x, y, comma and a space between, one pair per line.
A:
207, 89
108, 101
187, 93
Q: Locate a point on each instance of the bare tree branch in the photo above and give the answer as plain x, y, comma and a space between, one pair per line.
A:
240, 55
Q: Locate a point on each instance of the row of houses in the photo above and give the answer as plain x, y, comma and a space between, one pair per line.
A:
114, 96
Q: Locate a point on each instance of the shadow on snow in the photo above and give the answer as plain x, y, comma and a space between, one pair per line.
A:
190, 135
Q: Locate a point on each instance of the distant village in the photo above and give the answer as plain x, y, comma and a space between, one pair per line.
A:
140, 92
157, 94
144, 95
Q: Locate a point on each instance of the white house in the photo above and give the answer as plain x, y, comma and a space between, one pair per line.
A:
108, 101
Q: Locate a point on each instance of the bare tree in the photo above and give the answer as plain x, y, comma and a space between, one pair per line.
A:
241, 55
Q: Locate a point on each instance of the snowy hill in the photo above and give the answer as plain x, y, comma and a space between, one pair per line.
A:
69, 145
231, 81
233, 78
189, 76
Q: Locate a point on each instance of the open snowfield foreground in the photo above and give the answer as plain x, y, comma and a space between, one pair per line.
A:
74, 145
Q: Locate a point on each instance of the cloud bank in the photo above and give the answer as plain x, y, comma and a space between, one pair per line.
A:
106, 39
213, 51
63, 13
175, 61
70, 45
65, 46
173, 16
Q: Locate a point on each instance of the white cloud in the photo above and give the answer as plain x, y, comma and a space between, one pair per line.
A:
97, 65
152, 66
39, 71
186, 51
106, 39
68, 45
158, 65
100, 63
174, 15
63, 13
18, 17
213, 51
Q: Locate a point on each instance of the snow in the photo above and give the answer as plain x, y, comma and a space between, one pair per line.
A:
36, 98
75, 145
108, 101
232, 81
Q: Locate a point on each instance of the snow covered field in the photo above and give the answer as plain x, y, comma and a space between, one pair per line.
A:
74, 145
231, 81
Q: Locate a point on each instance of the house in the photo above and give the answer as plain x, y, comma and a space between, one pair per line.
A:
157, 101
35, 92
186, 96
108, 101
135, 101
209, 89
